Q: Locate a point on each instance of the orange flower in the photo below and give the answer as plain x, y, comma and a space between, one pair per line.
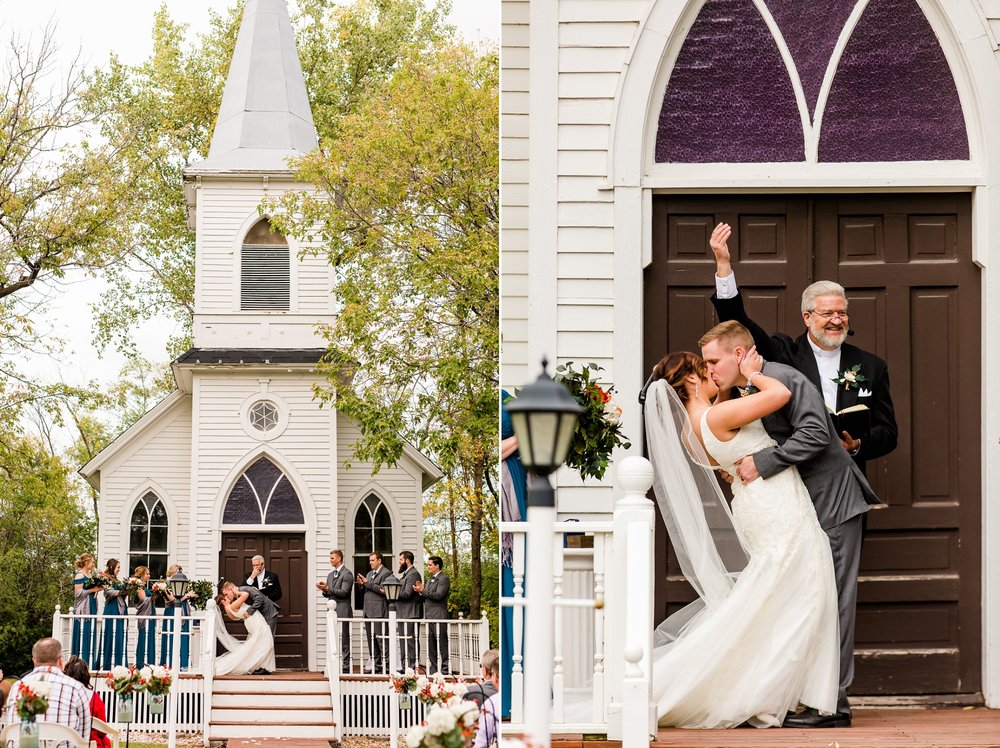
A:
603, 394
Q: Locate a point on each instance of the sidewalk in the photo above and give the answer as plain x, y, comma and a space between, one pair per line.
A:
969, 727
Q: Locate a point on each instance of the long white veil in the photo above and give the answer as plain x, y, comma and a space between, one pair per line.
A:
708, 549
227, 640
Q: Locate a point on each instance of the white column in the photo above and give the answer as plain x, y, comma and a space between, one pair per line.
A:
538, 617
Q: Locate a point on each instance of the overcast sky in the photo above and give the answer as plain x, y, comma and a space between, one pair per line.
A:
95, 28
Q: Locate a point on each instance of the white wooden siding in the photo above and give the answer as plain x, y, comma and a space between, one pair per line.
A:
163, 457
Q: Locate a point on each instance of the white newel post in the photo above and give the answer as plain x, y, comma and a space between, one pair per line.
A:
334, 663
538, 616
208, 666
175, 673
393, 668
630, 606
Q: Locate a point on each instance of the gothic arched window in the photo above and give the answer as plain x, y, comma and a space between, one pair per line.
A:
372, 532
263, 495
265, 270
147, 545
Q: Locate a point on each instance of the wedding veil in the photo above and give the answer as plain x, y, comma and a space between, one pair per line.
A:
708, 549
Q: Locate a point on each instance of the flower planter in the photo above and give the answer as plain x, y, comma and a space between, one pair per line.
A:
156, 703
29, 734
126, 708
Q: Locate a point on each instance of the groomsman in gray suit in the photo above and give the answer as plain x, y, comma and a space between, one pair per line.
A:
339, 586
408, 608
376, 606
435, 595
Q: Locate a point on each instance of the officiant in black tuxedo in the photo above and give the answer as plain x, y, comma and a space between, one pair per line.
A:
846, 375
262, 579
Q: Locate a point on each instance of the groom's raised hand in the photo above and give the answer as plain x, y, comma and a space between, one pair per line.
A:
720, 248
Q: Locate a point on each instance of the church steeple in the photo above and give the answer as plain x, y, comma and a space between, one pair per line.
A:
265, 116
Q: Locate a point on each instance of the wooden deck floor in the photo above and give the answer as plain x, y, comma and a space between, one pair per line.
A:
968, 727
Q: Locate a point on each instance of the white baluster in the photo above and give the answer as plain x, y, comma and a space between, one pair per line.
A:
517, 615
558, 676
598, 707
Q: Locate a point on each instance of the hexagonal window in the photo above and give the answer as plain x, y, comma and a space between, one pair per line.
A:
263, 415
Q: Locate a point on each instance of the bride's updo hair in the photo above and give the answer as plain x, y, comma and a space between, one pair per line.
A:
676, 366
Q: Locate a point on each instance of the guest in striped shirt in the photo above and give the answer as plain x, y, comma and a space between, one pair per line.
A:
69, 701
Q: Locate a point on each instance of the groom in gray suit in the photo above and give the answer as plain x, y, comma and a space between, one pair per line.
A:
806, 438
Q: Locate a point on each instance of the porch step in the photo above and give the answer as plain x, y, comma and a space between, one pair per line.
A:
283, 705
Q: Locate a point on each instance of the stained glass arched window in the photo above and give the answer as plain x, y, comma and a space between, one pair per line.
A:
372, 532
148, 528
263, 495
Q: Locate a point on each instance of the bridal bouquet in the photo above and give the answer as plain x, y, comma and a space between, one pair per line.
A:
403, 683
598, 430
32, 699
448, 725
156, 679
131, 587
437, 690
125, 680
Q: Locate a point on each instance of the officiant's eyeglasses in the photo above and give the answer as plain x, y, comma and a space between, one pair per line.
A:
830, 315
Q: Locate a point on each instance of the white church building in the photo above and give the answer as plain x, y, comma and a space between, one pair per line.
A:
240, 458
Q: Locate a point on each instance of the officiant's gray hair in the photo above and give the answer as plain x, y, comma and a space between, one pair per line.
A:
821, 288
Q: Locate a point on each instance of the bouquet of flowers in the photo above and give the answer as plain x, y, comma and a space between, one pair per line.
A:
437, 690
160, 590
95, 581
32, 699
125, 680
132, 586
403, 683
156, 679
598, 430
106, 580
204, 590
448, 725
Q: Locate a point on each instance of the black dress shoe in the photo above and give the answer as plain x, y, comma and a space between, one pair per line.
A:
812, 718
261, 671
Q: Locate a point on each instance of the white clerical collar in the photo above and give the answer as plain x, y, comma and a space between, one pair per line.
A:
823, 352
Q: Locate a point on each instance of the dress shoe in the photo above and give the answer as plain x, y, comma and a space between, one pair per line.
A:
812, 718
261, 671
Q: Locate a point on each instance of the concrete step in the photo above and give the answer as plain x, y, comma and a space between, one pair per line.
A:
226, 730
258, 715
242, 699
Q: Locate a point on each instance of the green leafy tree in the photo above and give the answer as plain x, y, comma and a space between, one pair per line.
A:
407, 211
43, 529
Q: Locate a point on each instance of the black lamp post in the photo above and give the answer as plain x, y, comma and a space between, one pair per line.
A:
180, 585
544, 415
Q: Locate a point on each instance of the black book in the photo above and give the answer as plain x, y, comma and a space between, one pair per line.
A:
856, 421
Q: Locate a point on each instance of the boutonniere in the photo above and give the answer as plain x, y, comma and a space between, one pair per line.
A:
748, 390
851, 378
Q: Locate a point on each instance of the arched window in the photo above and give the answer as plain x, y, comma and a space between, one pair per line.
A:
147, 545
372, 532
263, 496
264, 270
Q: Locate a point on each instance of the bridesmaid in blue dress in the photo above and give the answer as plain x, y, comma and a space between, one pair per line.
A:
170, 613
513, 510
114, 627
85, 590
145, 613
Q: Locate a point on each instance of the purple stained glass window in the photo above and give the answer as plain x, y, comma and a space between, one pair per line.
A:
893, 96
263, 495
729, 98
810, 31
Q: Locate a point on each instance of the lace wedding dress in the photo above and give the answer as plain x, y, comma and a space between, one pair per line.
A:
769, 639
241, 657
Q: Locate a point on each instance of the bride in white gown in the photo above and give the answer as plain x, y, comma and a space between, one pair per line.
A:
763, 636
253, 653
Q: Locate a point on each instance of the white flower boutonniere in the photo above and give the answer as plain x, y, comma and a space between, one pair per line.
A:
851, 378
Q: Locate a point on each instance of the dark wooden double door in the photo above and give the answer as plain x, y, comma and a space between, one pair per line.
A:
284, 553
914, 293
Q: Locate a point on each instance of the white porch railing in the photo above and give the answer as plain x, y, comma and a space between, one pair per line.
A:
362, 701
602, 598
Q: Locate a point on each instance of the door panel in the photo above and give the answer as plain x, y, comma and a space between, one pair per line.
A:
284, 553
914, 293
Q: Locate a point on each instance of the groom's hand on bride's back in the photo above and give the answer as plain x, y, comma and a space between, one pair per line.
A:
746, 469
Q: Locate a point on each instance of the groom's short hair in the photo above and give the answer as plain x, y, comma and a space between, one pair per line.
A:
729, 334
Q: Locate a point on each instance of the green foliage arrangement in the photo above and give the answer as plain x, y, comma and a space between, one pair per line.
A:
204, 590
598, 431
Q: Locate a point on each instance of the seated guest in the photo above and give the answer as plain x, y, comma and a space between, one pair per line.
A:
77, 669
489, 713
483, 688
69, 701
